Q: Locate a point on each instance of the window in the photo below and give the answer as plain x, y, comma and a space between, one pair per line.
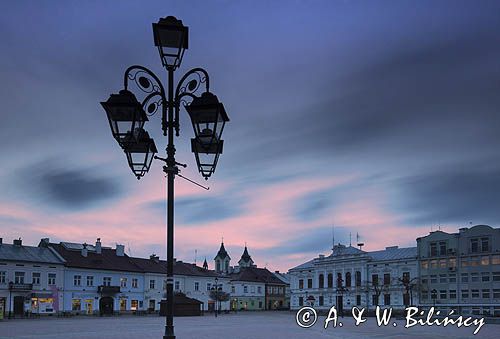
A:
259, 289
52, 279
433, 279
106, 281
301, 283
151, 284
496, 293
375, 300
442, 294
77, 280
134, 305
321, 281
209, 286
424, 279
465, 294
453, 294
442, 248
475, 293
177, 285
485, 261
387, 278
425, 295
474, 277
197, 286
233, 289
19, 278
90, 280
321, 300
486, 293
2, 277
496, 276
245, 289
442, 278
252, 288
348, 279
374, 280
452, 278
339, 280
309, 283
135, 283
485, 245
76, 305
433, 249
434, 263
358, 278
495, 259
474, 245
387, 299
442, 263
358, 300
465, 262
330, 280
465, 277
301, 301
424, 264
123, 282
452, 262
35, 278
485, 276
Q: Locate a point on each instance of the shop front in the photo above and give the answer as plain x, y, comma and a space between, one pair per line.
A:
42, 303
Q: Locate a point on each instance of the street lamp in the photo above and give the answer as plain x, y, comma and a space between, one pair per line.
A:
216, 289
434, 296
11, 286
127, 116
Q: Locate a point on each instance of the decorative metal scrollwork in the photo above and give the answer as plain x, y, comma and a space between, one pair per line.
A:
147, 83
190, 84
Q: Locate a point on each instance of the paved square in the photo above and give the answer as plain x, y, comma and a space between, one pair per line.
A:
274, 325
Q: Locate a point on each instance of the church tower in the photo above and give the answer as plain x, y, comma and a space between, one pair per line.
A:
222, 260
205, 264
246, 259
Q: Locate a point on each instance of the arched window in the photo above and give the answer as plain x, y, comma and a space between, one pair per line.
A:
330, 280
321, 281
339, 280
358, 278
348, 279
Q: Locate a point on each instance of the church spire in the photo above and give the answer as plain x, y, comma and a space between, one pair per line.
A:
205, 264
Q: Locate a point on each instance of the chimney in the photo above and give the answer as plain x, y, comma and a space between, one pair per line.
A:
155, 258
44, 242
391, 248
98, 248
18, 242
84, 250
321, 256
120, 250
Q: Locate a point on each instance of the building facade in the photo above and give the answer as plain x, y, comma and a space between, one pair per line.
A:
461, 271
31, 280
351, 277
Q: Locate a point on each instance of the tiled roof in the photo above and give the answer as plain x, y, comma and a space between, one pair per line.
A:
180, 268
394, 253
254, 274
106, 260
29, 254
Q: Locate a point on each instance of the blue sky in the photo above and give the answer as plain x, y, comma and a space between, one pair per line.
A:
379, 117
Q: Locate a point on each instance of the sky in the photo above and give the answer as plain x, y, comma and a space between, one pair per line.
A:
380, 118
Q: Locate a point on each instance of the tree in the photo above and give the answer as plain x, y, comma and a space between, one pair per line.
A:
408, 285
219, 296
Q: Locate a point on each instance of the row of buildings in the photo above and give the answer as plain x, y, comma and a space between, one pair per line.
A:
92, 279
459, 271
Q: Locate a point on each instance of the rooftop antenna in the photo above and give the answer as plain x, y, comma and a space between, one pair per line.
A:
129, 250
360, 244
195, 255
350, 239
333, 236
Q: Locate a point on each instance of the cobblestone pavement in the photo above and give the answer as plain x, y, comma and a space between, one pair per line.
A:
273, 325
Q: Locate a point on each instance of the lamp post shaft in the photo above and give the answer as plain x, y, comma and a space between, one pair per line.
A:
171, 171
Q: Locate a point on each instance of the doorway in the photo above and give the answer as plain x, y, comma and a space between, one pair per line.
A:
19, 305
106, 305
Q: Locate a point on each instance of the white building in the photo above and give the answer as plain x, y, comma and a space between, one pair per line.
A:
351, 277
31, 280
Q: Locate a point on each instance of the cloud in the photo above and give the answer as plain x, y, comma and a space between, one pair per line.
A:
452, 195
67, 188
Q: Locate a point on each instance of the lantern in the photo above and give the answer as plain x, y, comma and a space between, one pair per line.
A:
171, 38
140, 153
125, 115
206, 156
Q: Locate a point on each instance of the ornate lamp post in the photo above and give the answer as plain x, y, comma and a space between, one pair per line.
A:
127, 117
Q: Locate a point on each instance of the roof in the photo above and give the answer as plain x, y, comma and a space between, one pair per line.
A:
181, 299
394, 253
304, 266
29, 254
254, 274
180, 268
283, 277
106, 260
245, 256
222, 252
339, 250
